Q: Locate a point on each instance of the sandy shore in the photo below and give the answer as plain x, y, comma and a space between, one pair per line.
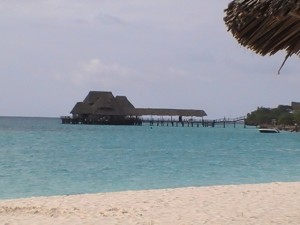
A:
262, 204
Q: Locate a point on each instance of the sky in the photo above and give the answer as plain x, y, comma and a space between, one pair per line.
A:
160, 54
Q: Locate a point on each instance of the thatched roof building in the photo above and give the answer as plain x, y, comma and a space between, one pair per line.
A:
265, 26
103, 103
100, 105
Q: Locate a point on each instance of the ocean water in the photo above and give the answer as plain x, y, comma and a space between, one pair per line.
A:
42, 157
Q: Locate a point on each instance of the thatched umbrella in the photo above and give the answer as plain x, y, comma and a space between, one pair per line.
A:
265, 26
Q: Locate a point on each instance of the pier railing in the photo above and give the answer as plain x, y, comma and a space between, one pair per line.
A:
195, 122
225, 121
192, 122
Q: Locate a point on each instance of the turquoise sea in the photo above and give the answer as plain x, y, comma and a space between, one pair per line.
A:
42, 157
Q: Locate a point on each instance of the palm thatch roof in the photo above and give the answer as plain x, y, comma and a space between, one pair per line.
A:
124, 104
82, 108
100, 99
100, 103
168, 112
265, 26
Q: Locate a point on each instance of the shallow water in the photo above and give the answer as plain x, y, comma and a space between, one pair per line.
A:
41, 156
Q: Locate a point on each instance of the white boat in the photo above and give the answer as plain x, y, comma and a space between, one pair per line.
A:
268, 130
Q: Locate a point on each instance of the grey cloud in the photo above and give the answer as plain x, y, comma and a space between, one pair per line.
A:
181, 50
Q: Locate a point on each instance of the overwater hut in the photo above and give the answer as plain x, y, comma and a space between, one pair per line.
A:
100, 107
265, 26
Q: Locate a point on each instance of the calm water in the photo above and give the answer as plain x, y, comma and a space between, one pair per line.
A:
41, 156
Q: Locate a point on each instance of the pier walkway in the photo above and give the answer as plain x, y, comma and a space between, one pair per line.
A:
139, 121
194, 123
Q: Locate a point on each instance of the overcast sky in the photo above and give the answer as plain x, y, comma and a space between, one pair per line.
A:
160, 54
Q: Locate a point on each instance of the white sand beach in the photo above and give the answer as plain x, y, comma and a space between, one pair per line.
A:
259, 204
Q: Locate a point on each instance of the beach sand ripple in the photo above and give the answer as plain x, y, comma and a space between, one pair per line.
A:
258, 204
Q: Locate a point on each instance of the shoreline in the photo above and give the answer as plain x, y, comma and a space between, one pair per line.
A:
270, 203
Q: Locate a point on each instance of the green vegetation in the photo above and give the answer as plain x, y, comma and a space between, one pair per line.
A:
282, 115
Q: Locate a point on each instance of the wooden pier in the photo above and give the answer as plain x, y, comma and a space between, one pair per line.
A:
194, 123
139, 121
